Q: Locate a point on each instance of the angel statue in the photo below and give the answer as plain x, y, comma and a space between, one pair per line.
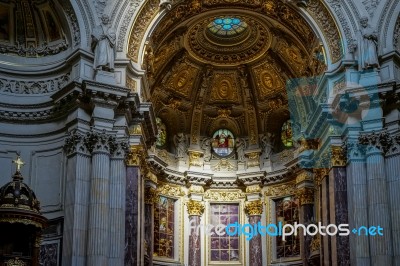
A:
240, 146
266, 145
206, 146
181, 145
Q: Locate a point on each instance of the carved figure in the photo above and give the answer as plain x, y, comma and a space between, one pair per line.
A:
266, 144
103, 45
240, 146
181, 145
368, 46
206, 146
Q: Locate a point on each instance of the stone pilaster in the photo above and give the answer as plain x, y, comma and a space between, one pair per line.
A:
195, 210
378, 206
99, 206
305, 195
254, 209
357, 202
117, 203
393, 181
76, 200
132, 224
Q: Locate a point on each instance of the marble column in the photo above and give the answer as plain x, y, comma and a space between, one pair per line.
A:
99, 206
378, 205
195, 211
132, 225
306, 214
76, 200
393, 181
117, 204
254, 210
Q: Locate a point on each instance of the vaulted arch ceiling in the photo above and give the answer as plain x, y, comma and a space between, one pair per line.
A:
227, 67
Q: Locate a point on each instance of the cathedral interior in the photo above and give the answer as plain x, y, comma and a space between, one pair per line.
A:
132, 131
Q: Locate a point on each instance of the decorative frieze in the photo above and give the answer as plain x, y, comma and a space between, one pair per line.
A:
254, 207
171, 191
253, 189
34, 87
195, 207
225, 195
281, 190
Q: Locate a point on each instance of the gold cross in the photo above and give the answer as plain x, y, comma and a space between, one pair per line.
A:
19, 163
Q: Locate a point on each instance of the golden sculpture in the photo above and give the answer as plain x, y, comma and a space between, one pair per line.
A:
194, 158
19, 163
195, 207
254, 208
253, 189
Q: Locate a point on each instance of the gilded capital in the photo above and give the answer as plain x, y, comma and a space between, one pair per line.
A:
254, 207
253, 189
134, 156
194, 158
151, 177
319, 174
305, 195
195, 207
151, 195
303, 176
338, 156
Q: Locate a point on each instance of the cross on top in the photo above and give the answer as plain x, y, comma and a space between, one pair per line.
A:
19, 163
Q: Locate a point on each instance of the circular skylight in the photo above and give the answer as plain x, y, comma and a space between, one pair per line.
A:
227, 26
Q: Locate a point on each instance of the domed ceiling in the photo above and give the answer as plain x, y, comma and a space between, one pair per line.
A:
226, 67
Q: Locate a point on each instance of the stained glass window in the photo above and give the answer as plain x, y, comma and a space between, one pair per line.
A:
224, 248
161, 134
287, 212
227, 26
164, 227
223, 142
286, 134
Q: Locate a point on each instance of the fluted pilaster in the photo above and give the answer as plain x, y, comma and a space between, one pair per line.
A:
76, 200
117, 204
99, 208
378, 205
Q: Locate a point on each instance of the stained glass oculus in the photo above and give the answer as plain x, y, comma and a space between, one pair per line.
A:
227, 26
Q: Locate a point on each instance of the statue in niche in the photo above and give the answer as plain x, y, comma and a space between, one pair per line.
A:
181, 145
103, 45
240, 146
368, 46
206, 146
267, 145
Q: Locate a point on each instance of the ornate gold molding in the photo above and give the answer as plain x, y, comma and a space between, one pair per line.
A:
254, 159
303, 176
195, 207
152, 177
196, 189
225, 195
168, 190
194, 158
338, 156
253, 189
254, 208
143, 19
305, 195
281, 190
308, 144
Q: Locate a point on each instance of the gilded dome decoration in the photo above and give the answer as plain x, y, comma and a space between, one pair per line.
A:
227, 26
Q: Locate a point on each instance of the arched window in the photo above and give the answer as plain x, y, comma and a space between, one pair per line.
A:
223, 142
286, 134
227, 26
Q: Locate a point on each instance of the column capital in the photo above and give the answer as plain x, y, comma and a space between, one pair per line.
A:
304, 176
151, 195
135, 155
254, 208
375, 142
305, 195
195, 207
319, 174
338, 156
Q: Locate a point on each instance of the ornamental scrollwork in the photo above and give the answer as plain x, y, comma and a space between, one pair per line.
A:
375, 141
168, 190
281, 190
195, 207
34, 87
338, 156
135, 155
254, 207
305, 195
224, 195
